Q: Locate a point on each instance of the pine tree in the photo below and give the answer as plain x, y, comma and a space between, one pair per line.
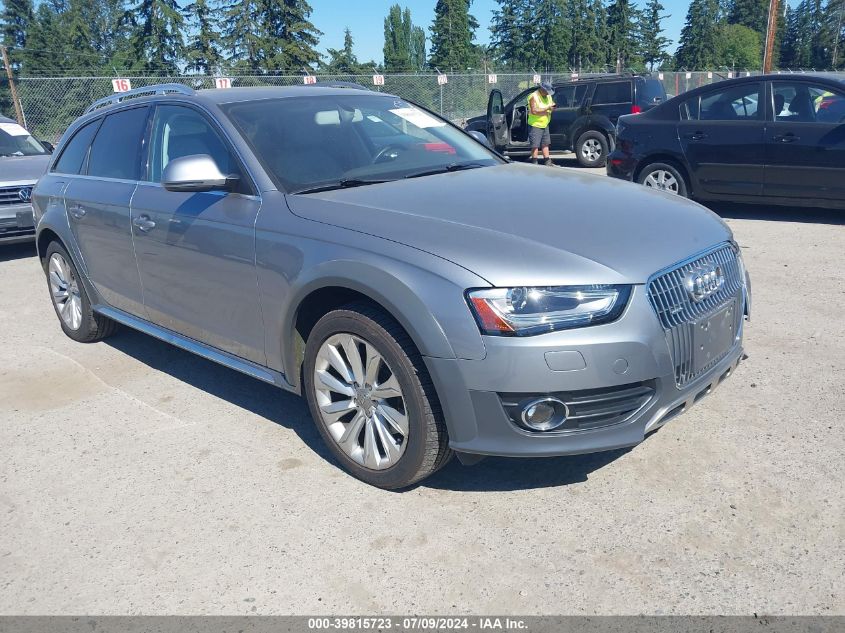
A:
835, 17
550, 44
397, 40
510, 34
417, 53
15, 20
344, 60
699, 37
622, 34
156, 36
202, 51
452, 34
652, 43
751, 13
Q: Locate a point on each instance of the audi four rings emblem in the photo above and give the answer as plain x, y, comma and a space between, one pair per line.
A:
704, 281
25, 194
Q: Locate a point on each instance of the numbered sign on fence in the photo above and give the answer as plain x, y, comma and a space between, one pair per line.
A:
747, 74
121, 85
710, 75
730, 75
309, 80
689, 75
575, 75
537, 79
221, 83
491, 79
442, 79
660, 76
378, 80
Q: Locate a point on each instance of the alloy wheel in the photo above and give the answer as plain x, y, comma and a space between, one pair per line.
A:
64, 289
591, 150
663, 180
360, 401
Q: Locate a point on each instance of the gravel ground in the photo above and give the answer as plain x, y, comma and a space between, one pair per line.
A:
138, 479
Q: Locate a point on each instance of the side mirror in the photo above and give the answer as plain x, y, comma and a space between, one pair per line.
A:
195, 173
48, 146
481, 138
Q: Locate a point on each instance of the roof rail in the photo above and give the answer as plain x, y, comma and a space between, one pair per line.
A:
158, 89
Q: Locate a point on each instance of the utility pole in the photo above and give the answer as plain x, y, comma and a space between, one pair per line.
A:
12, 88
771, 32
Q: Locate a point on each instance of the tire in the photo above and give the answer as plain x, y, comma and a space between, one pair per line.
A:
70, 299
365, 424
591, 149
664, 177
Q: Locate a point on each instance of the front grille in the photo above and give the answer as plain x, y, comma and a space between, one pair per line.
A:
589, 408
9, 195
678, 312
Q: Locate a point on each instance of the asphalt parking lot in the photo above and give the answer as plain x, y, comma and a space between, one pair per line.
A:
137, 478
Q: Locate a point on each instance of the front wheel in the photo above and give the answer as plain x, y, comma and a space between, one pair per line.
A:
663, 177
372, 399
591, 148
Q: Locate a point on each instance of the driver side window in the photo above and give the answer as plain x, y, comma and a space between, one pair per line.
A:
178, 132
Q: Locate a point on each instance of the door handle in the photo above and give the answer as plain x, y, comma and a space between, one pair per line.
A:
695, 136
786, 138
77, 211
143, 223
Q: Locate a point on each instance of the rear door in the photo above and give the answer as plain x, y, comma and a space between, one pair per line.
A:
805, 142
568, 98
497, 125
722, 136
196, 251
97, 204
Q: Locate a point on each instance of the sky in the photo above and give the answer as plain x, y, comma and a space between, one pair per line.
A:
366, 20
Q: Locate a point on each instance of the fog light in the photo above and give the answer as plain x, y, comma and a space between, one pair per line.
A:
544, 414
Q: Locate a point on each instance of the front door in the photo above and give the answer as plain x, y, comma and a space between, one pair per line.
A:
805, 143
196, 251
98, 204
497, 125
722, 136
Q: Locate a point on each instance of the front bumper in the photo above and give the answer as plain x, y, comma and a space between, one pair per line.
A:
631, 351
16, 223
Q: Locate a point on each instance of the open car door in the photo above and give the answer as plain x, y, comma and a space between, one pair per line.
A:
497, 128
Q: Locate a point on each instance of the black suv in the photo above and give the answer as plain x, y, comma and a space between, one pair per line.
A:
584, 120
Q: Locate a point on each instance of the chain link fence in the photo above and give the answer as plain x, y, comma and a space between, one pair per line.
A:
50, 104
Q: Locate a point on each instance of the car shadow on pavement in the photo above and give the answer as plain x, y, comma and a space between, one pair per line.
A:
498, 474
264, 400
775, 213
10, 252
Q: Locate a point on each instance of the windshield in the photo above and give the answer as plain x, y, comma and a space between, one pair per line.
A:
322, 142
16, 141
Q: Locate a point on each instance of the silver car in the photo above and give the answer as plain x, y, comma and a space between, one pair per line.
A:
426, 296
22, 161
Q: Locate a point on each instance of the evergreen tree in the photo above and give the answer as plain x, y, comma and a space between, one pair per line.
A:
751, 13
452, 34
417, 53
551, 38
652, 43
599, 44
397, 40
622, 34
699, 37
344, 60
203, 48
156, 36
510, 34
835, 18
15, 20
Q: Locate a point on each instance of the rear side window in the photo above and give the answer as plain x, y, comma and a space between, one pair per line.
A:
116, 152
650, 92
612, 92
73, 155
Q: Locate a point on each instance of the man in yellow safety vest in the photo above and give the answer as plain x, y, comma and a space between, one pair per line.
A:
540, 106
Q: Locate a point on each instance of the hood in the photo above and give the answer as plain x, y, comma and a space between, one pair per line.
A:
22, 169
526, 225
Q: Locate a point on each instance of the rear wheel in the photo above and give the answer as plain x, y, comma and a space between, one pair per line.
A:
591, 149
372, 399
70, 300
663, 177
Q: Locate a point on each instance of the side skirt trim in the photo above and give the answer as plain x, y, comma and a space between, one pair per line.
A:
195, 347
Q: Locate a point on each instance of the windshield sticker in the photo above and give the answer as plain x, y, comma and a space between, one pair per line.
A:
13, 129
374, 118
417, 117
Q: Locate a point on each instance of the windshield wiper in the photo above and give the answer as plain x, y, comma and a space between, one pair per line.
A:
342, 184
444, 169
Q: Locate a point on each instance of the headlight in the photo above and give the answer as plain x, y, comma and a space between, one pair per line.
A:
526, 311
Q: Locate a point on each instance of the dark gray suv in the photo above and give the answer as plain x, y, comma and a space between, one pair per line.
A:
425, 296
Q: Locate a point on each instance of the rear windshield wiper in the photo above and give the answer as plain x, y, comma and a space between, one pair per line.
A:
444, 169
342, 184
